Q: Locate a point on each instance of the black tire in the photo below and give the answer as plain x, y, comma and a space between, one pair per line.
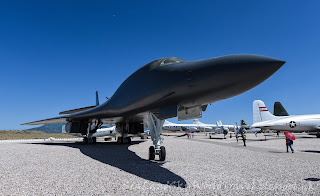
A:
129, 140
119, 140
210, 137
162, 155
318, 135
152, 153
94, 140
85, 140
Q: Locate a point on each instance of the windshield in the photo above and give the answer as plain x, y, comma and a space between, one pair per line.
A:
165, 61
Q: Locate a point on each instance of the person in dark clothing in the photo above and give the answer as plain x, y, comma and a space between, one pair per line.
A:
289, 143
244, 138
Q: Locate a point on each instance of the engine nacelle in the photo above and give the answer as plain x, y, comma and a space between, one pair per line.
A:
77, 127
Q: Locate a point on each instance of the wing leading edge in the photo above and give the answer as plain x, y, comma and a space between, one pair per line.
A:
60, 119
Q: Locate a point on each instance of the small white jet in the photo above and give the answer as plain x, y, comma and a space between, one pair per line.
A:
169, 126
218, 127
263, 119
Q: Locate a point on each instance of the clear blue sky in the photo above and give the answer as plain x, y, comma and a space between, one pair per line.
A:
54, 55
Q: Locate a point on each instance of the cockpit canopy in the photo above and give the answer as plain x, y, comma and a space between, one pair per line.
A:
165, 61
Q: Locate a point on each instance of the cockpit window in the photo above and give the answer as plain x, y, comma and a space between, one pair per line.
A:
165, 61
171, 60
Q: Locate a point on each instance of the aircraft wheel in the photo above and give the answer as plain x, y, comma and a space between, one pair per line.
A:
152, 153
128, 140
318, 135
85, 140
94, 140
119, 140
162, 153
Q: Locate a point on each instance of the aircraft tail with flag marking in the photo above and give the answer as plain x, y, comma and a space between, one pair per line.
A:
261, 112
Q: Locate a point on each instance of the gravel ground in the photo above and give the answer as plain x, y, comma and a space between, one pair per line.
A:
193, 167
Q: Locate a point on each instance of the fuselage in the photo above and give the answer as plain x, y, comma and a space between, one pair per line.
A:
176, 82
291, 123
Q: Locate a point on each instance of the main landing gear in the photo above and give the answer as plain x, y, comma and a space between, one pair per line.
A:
89, 139
155, 126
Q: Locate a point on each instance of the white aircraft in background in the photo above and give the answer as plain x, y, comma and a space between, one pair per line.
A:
218, 127
102, 132
249, 129
263, 119
169, 126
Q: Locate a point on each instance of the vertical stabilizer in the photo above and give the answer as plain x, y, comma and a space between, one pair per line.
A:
261, 112
279, 110
219, 123
196, 121
97, 98
243, 123
167, 122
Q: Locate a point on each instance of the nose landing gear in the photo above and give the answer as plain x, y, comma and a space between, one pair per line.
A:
155, 126
161, 152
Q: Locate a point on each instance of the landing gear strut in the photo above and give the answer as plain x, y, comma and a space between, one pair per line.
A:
88, 139
155, 126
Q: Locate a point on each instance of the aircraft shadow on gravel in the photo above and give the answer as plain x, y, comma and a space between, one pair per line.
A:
312, 151
121, 157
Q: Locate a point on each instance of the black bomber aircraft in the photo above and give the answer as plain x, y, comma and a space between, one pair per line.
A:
166, 88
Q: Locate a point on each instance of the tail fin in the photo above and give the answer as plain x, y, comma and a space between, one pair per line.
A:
243, 123
279, 110
261, 112
97, 98
196, 121
219, 123
83, 108
167, 122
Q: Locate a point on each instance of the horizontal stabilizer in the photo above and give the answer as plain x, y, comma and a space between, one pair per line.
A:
77, 110
61, 119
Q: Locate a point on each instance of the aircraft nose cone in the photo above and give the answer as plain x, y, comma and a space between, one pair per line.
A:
264, 61
260, 66
251, 70
249, 65
250, 61
235, 74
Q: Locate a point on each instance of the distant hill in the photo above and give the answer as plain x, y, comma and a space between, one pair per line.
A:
49, 128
